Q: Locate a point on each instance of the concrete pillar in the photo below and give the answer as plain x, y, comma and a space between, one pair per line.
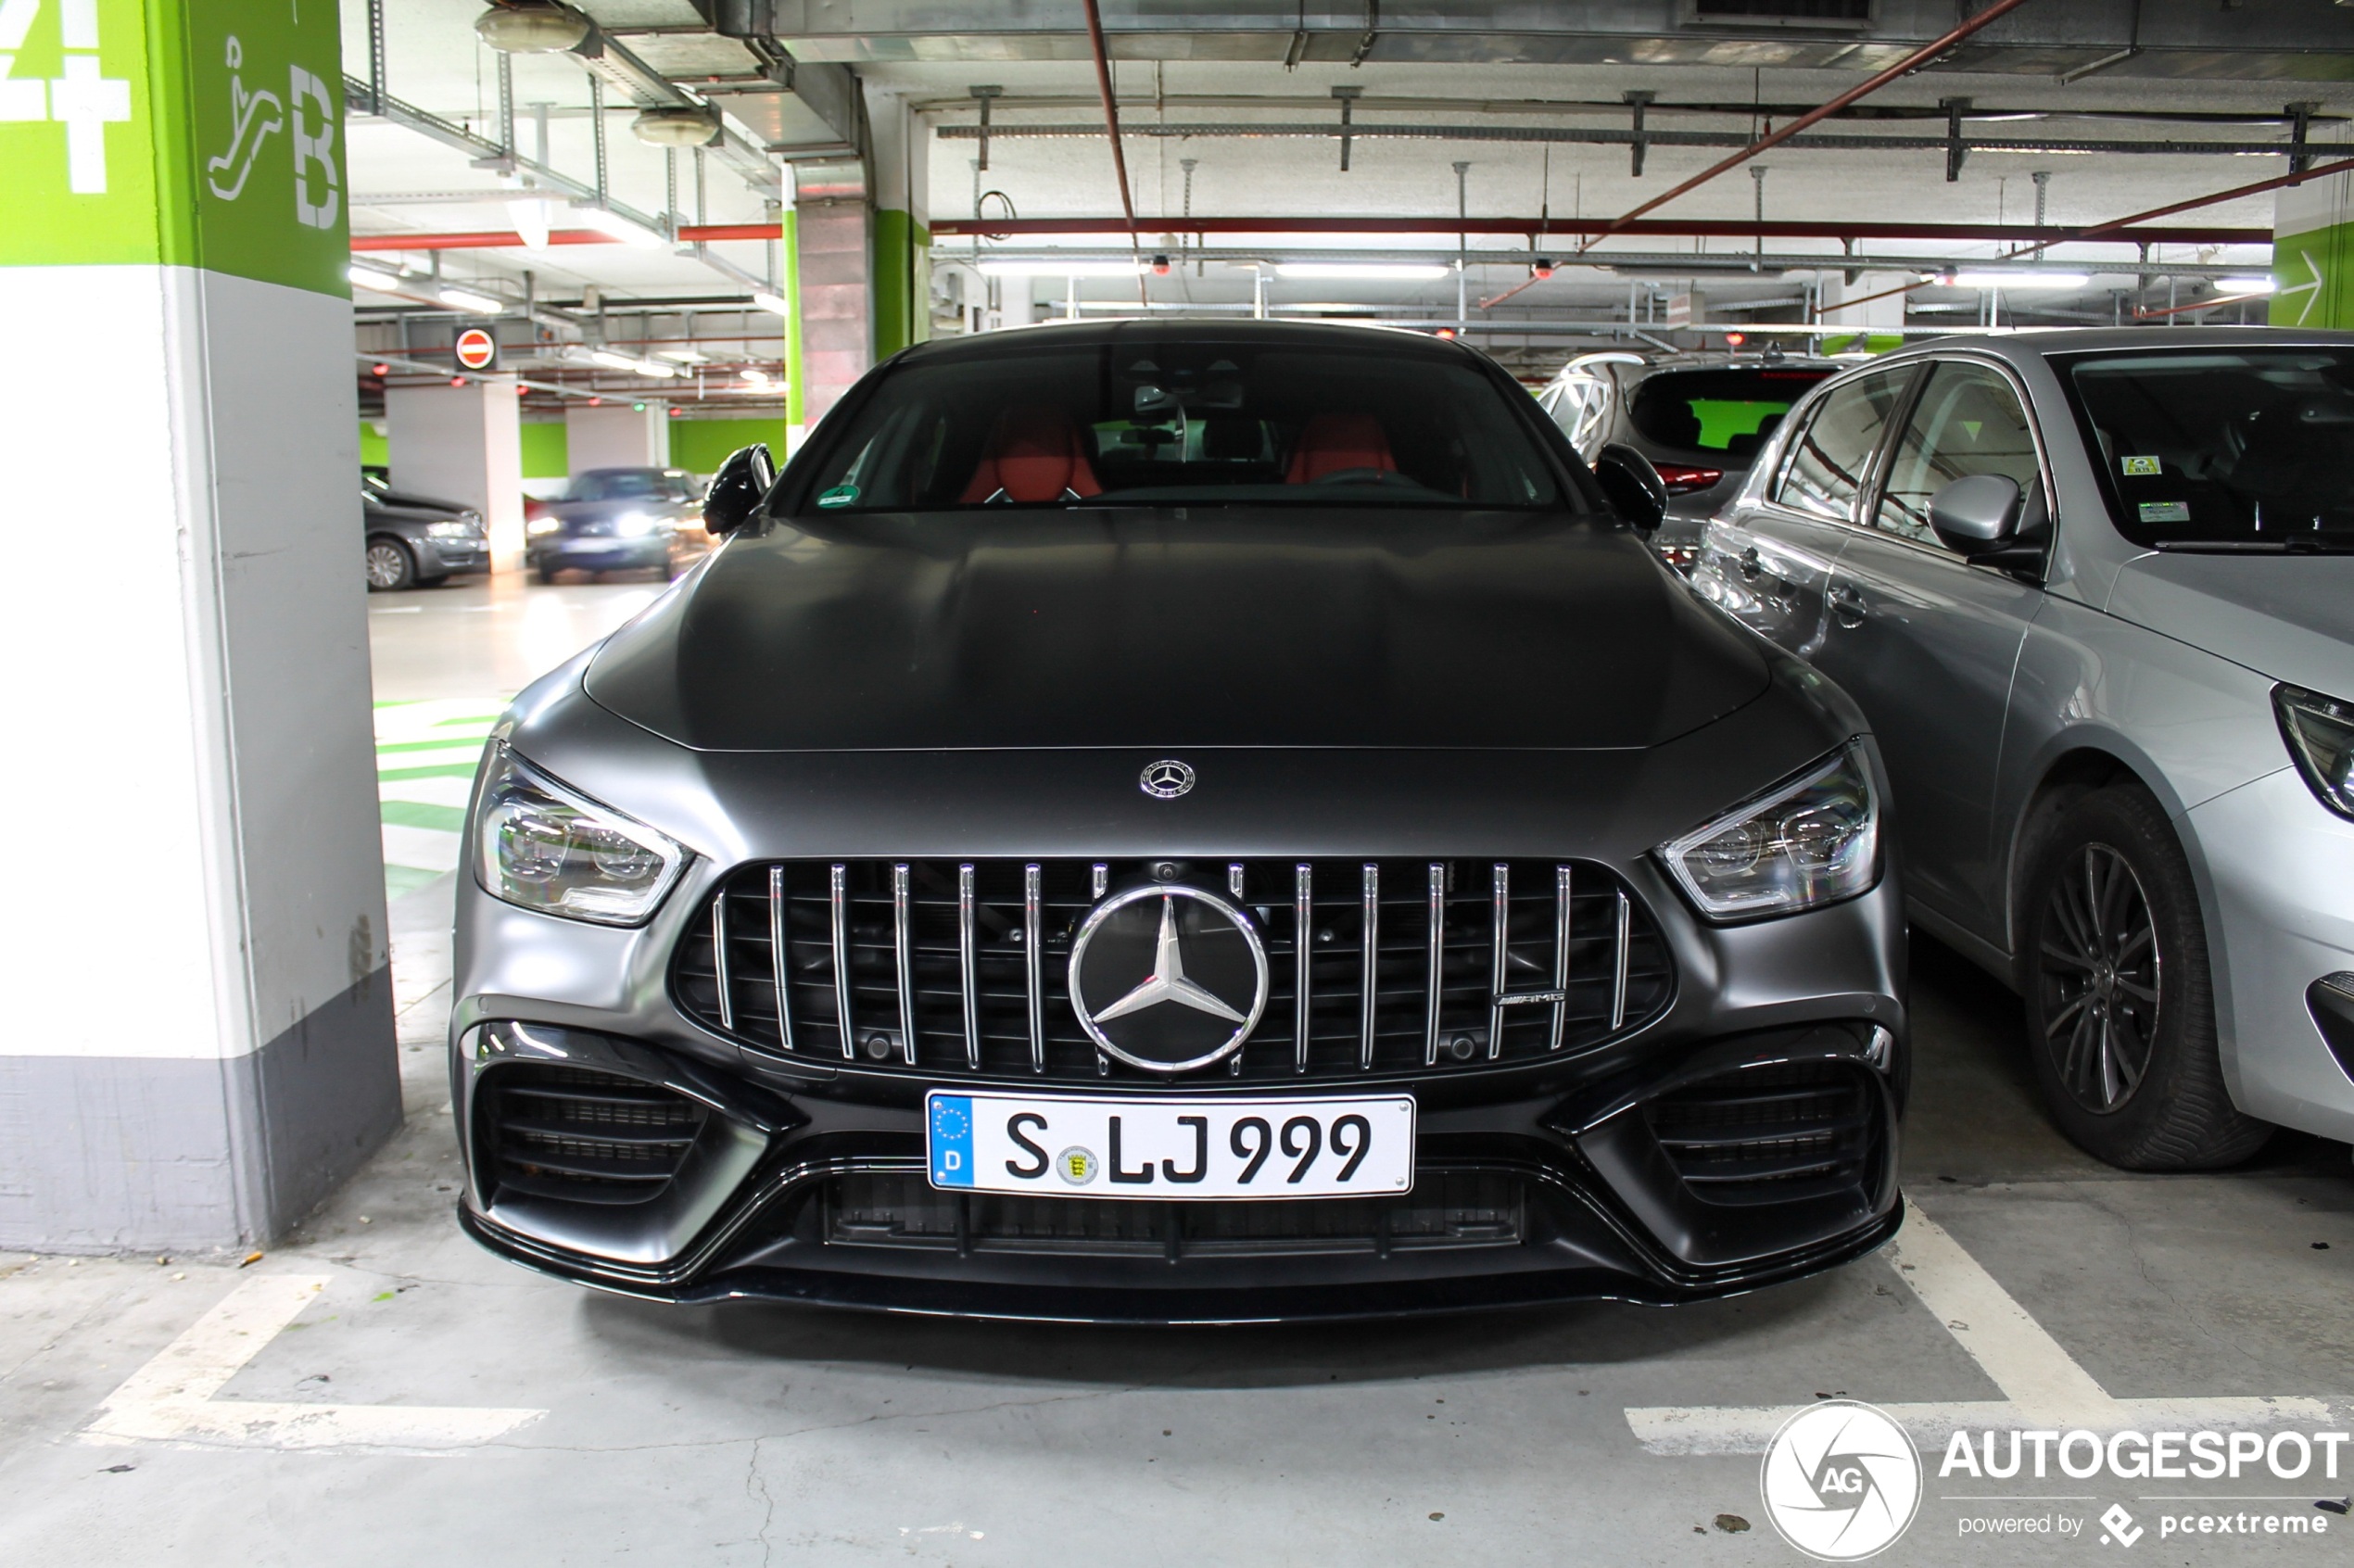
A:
462, 443
903, 232
1877, 318
833, 267
631, 435
200, 1032
2314, 249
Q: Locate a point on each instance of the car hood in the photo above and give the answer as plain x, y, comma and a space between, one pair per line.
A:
1118, 627
2287, 616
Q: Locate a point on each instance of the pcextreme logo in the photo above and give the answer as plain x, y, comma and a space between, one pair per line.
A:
1840, 1481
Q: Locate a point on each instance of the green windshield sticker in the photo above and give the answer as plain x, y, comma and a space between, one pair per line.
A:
2141, 465
2165, 511
841, 495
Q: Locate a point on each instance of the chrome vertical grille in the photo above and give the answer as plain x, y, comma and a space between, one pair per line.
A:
1379, 967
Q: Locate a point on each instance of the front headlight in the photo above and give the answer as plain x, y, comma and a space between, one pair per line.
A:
2320, 731
539, 525
449, 530
1810, 841
543, 847
635, 525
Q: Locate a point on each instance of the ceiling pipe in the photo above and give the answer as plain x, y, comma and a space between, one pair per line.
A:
1833, 228
507, 240
1905, 66
2117, 228
1111, 128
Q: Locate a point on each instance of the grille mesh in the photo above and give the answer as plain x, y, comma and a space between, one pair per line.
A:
1769, 1134
585, 1136
1014, 1017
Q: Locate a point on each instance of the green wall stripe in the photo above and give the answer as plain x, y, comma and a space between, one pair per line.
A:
420, 813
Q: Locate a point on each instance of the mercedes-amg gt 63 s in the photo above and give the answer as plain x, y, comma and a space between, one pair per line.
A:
1181, 823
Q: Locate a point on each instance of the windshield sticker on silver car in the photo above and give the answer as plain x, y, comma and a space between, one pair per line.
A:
2140, 466
2165, 511
841, 495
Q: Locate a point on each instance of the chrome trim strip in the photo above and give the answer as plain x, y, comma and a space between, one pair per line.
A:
838, 887
1101, 879
1618, 979
902, 959
965, 959
1438, 974
780, 964
719, 957
1561, 907
1033, 976
1369, 991
1303, 929
1499, 944
1234, 879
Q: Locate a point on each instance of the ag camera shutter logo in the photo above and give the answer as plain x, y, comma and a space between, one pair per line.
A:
1840, 1481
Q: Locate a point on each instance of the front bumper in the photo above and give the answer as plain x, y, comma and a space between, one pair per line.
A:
462, 557
602, 554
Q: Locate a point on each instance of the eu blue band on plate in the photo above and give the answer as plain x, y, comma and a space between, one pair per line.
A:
951, 1141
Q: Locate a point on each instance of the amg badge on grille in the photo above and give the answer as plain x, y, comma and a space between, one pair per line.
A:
1167, 780
1168, 977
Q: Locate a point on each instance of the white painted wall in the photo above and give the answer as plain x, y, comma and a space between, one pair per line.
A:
463, 444
1873, 315
616, 435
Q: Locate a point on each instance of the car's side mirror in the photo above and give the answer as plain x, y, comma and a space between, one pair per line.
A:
1976, 514
1634, 488
738, 488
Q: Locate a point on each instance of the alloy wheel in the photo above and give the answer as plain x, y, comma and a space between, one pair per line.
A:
2099, 983
388, 566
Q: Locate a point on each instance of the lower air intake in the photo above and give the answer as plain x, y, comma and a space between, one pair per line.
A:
1769, 1134
583, 1136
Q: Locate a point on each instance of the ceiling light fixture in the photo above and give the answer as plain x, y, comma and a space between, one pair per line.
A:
2246, 285
531, 27
768, 301
626, 230
1365, 271
466, 300
2021, 280
1044, 268
678, 125
368, 277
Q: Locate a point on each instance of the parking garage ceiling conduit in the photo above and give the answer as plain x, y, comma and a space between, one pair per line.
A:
1111, 128
1563, 228
2116, 227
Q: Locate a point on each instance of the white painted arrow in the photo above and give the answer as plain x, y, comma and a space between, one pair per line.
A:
2311, 291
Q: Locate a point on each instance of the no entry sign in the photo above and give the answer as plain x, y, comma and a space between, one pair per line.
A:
477, 349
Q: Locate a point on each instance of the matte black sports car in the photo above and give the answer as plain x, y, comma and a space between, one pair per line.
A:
1181, 823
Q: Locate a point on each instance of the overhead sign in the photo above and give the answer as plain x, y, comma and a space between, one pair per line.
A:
477, 349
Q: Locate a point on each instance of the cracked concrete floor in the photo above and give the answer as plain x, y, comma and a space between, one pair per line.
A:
757, 1434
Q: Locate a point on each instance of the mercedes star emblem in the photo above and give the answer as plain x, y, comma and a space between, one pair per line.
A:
1168, 977
1166, 781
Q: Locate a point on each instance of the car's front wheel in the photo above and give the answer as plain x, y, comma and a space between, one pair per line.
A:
390, 565
2121, 1007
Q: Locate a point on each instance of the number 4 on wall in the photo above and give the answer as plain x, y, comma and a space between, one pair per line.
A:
79, 98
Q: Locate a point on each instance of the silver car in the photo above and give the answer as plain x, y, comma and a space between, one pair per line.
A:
2094, 592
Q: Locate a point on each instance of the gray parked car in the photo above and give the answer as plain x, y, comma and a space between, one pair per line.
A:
2094, 591
414, 541
1701, 418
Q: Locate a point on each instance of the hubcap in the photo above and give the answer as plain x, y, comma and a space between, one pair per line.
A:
2098, 993
385, 566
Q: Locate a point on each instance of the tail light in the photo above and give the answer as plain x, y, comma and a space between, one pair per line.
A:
1682, 479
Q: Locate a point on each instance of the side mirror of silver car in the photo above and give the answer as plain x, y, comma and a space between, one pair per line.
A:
738, 488
1632, 486
1976, 514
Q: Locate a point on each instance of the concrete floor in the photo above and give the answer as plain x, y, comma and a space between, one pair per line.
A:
427, 1402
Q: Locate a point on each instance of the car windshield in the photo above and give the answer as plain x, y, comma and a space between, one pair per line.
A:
633, 483
1722, 414
2248, 449
1156, 421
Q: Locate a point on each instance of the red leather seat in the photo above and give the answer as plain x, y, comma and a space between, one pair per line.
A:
1033, 455
1331, 442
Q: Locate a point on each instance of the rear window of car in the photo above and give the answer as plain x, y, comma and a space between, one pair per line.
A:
1185, 421
2234, 448
1727, 412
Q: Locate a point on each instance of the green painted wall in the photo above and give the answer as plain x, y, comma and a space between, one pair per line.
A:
700, 446
372, 447
2313, 278
547, 449
193, 135
903, 282
796, 410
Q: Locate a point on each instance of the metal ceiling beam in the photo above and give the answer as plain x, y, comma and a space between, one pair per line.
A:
508, 239
1733, 266
1568, 230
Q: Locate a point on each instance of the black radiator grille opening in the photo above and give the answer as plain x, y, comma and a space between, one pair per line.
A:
1617, 976
584, 1136
1447, 1209
1770, 1135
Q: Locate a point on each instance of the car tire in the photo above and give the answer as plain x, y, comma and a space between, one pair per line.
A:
2120, 1003
544, 571
389, 566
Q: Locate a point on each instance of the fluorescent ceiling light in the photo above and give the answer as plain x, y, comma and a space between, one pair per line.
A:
754, 375
1051, 269
1368, 271
628, 230
465, 299
684, 356
530, 219
630, 362
768, 301
2246, 285
368, 277
2021, 280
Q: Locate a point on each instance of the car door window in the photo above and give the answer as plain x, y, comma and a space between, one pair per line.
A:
1968, 420
1829, 458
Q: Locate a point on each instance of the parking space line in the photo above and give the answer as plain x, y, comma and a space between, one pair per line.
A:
172, 1399
2042, 1385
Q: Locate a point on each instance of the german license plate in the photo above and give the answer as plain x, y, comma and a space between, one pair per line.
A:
1171, 1148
